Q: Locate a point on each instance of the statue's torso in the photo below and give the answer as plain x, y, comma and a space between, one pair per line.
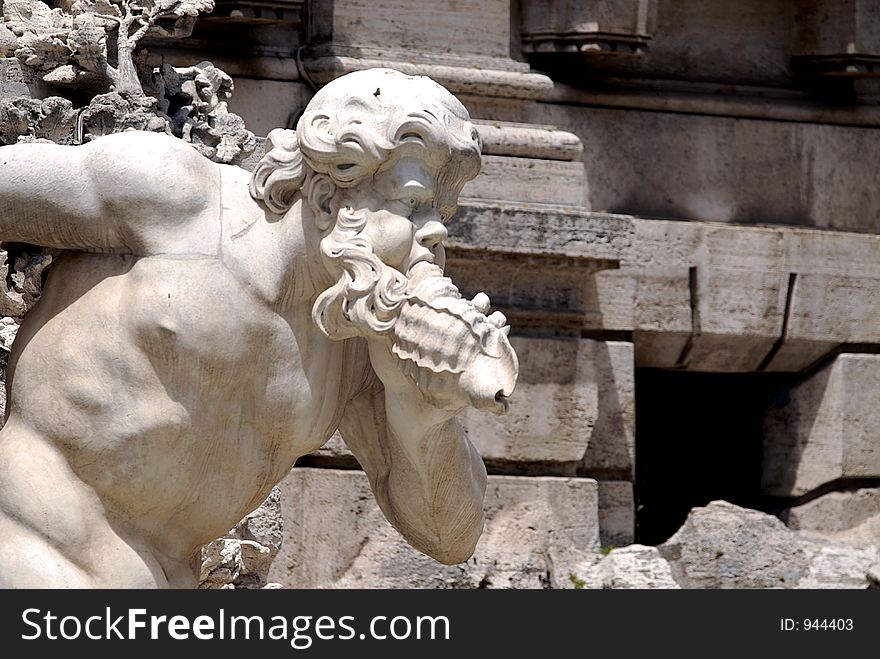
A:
171, 390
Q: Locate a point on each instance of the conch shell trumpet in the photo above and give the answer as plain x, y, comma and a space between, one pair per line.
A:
449, 347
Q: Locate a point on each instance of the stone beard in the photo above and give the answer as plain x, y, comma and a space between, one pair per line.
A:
366, 299
441, 340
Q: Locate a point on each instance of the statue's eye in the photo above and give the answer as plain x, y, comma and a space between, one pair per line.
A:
412, 202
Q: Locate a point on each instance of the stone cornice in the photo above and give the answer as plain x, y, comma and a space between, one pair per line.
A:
463, 79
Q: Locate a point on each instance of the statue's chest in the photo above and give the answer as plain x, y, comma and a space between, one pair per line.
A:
236, 361
206, 335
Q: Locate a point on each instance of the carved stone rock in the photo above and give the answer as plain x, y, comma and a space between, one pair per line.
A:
725, 546
241, 558
632, 567
63, 51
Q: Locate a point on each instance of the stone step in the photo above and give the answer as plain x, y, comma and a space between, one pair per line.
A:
539, 531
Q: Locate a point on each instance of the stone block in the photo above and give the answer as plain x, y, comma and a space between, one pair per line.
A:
835, 565
529, 291
628, 568
833, 512
574, 402
826, 430
836, 297
716, 168
710, 297
740, 295
528, 180
704, 296
649, 294
724, 546
424, 26
540, 230
617, 519
538, 531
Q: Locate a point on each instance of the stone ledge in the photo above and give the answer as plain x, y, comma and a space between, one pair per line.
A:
460, 79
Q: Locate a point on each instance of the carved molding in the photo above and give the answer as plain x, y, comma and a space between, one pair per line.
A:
463, 79
839, 38
605, 27
561, 248
257, 12
501, 138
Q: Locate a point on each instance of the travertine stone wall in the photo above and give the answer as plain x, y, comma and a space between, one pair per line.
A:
836, 511
825, 429
573, 404
713, 297
539, 531
656, 162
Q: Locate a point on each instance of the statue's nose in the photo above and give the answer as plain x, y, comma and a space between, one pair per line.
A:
431, 234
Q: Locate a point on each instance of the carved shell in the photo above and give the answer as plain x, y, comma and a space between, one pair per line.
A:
448, 346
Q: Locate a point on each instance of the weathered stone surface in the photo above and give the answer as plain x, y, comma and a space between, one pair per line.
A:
242, 557
863, 535
700, 40
724, 546
574, 403
836, 297
703, 297
826, 428
257, 100
616, 513
835, 511
709, 297
24, 119
536, 262
836, 565
632, 567
528, 180
538, 531
714, 168
423, 26
551, 231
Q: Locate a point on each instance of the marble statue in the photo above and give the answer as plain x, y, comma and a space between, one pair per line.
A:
205, 327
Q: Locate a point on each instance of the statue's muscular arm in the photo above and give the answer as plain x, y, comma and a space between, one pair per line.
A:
129, 193
427, 477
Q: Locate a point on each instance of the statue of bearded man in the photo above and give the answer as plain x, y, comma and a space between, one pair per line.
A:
207, 327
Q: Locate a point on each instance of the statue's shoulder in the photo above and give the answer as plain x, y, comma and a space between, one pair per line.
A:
137, 167
144, 150
240, 210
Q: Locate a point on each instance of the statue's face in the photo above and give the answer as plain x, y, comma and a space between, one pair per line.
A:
402, 224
